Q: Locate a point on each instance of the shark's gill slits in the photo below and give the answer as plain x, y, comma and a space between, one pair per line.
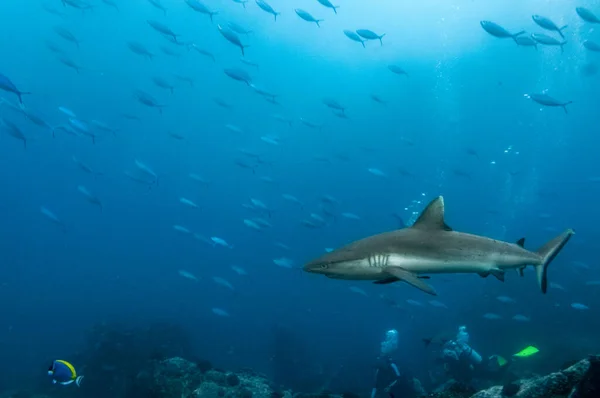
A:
378, 260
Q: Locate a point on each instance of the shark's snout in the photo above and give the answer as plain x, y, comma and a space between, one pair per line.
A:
315, 267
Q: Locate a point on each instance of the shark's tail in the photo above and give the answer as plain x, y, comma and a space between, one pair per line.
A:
548, 252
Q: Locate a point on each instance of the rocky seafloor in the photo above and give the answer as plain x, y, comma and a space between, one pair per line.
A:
580, 380
178, 378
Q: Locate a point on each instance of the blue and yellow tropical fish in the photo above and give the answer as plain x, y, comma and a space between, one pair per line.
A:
62, 372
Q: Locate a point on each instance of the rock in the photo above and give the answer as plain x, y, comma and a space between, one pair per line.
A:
453, 389
217, 384
589, 386
257, 385
243, 393
209, 389
233, 380
177, 367
175, 377
217, 377
510, 389
555, 384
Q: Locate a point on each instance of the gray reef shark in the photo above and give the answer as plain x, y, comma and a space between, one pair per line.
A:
430, 246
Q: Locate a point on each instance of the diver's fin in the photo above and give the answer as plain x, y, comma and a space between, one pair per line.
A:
526, 352
432, 217
501, 361
548, 252
385, 281
410, 278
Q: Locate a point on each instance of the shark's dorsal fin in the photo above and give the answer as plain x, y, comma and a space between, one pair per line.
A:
432, 217
521, 242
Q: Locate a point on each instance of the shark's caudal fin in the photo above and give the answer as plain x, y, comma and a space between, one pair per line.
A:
548, 252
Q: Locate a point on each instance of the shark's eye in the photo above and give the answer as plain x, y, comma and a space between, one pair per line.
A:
324, 266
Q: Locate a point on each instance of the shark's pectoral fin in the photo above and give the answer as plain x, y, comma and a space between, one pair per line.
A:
497, 272
432, 218
521, 243
410, 278
385, 281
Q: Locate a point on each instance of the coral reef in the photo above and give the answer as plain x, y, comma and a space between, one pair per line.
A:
453, 389
179, 378
577, 381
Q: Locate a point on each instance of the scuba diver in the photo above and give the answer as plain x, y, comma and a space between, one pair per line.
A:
463, 363
390, 382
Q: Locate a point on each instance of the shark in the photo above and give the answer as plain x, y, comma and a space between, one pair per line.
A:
430, 247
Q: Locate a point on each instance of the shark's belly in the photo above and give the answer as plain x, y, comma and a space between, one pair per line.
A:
360, 274
423, 265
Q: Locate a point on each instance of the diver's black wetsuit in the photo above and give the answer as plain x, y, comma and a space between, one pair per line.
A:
463, 371
391, 383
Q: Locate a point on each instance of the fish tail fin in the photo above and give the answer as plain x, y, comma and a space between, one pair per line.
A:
275, 15
20, 94
380, 39
564, 106
78, 380
561, 29
335, 8
363, 43
548, 252
317, 22
518, 34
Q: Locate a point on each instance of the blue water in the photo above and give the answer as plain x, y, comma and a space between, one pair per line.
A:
533, 176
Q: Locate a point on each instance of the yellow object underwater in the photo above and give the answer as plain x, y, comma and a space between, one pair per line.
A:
527, 352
